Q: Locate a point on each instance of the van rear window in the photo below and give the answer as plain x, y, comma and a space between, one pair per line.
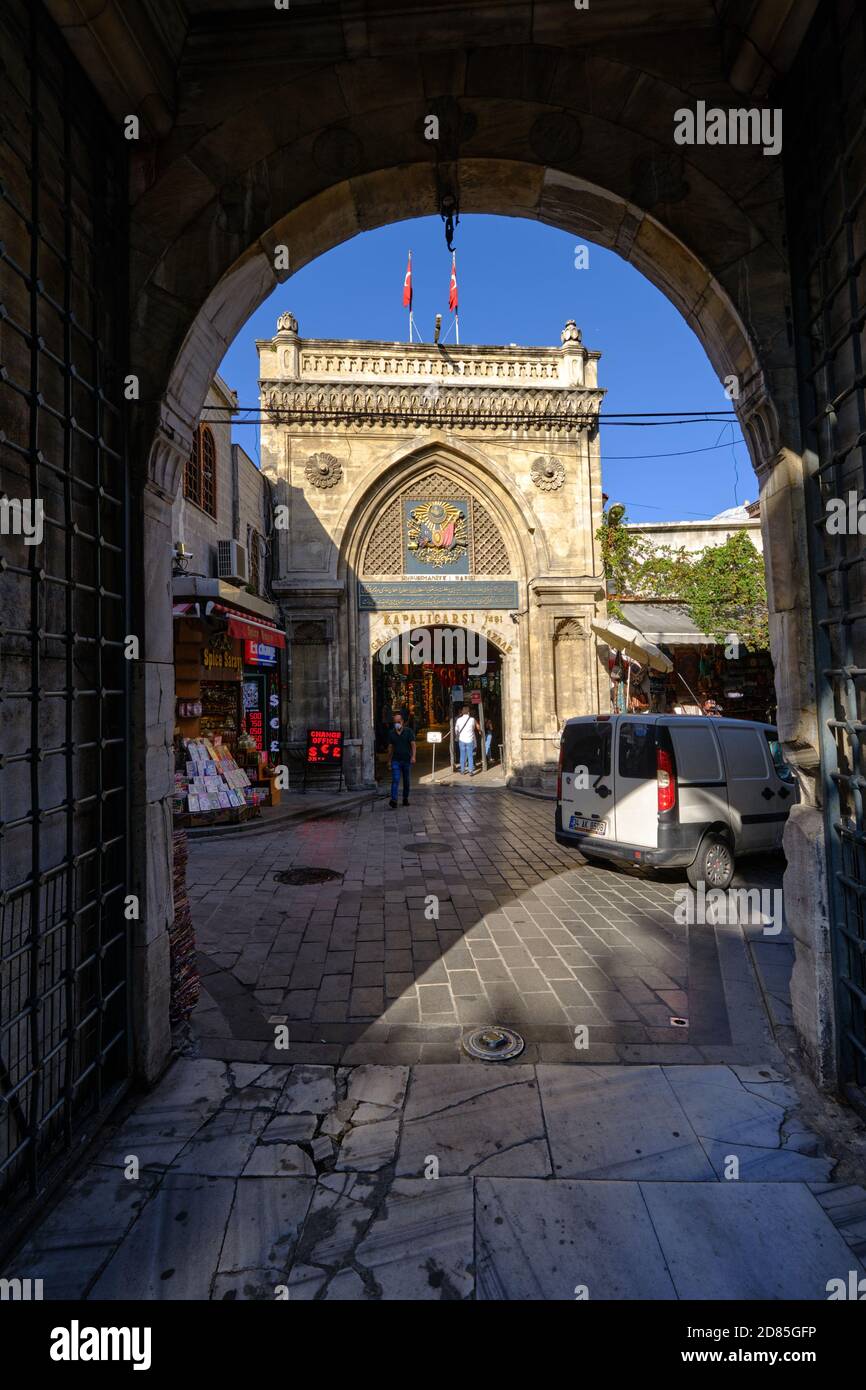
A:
637, 751
587, 745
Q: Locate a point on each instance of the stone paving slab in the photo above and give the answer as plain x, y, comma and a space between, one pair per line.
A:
522, 932
617, 1122
746, 1240
443, 1182
565, 1240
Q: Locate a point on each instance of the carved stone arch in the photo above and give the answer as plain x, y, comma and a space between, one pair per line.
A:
463, 467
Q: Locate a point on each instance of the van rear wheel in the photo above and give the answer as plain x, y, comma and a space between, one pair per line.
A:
714, 864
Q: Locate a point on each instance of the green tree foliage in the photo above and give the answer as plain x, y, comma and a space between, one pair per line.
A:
722, 588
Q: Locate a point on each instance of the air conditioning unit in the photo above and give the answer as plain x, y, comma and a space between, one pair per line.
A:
232, 562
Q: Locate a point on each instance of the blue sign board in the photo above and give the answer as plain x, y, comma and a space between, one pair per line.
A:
439, 594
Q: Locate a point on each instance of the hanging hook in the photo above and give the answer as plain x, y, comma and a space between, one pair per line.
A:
449, 211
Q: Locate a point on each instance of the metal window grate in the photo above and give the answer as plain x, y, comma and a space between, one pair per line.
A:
826, 192
64, 682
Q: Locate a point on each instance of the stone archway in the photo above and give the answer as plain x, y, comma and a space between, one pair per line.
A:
508, 549
582, 141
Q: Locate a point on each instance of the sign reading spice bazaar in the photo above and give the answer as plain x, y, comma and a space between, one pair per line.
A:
222, 654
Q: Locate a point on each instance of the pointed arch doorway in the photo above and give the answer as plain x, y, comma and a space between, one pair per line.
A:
430, 675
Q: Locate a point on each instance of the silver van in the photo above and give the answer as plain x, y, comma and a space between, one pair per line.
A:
672, 791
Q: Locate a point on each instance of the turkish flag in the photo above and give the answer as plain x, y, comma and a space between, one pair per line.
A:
452, 288
407, 285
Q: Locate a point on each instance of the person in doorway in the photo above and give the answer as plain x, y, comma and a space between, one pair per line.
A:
401, 741
466, 728
488, 738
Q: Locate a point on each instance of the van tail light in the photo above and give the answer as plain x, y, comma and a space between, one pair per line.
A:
667, 786
559, 771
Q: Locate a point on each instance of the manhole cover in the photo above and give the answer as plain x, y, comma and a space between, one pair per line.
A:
428, 846
298, 877
493, 1044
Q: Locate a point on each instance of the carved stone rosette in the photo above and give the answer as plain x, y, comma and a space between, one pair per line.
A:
323, 470
548, 473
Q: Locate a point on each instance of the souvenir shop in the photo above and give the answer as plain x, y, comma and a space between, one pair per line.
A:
659, 662
228, 691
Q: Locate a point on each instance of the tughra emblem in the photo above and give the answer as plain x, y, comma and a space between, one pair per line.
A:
438, 533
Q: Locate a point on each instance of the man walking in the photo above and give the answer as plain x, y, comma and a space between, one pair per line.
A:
465, 728
401, 740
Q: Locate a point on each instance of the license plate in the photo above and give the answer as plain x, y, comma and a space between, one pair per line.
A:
593, 826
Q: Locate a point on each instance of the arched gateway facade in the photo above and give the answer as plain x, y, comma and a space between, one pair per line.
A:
415, 491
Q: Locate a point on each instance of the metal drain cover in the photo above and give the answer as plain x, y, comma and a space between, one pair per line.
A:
428, 847
298, 877
493, 1044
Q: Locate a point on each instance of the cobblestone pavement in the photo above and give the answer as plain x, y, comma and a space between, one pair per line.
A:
362, 1164
527, 935
484, 1181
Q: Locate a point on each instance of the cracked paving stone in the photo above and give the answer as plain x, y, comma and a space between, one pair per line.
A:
323, 1148
474, 1120
287, 1128
309, 1088
370, 1146
723, 1240
173, 1249
222, 1147
279, 1160
77, 1238
721, 1108
262, 1231
618, 1122
377, 1085
410, 1240
542, 1240
165, 1121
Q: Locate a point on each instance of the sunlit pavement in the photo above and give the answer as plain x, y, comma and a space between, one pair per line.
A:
527, 934
363, 1163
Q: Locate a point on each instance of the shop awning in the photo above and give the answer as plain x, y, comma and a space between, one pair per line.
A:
664, 622
625, 639
250, 629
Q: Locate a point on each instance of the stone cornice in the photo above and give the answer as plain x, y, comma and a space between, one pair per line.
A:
384, 405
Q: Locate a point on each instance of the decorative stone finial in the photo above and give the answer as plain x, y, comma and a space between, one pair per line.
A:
287, 323
571, 333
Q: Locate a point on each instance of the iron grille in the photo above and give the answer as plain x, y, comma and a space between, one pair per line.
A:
826, 194
64, 696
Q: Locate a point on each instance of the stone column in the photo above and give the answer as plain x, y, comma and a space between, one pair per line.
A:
805, 895
153, 748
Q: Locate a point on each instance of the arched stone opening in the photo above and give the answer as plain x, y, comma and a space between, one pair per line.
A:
500, 524
212, 297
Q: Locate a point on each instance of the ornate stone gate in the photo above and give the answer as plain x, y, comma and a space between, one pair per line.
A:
420, 485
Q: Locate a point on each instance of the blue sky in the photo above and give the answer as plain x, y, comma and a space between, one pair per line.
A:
518, 284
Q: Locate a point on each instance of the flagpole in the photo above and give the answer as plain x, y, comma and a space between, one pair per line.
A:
411, 316
456, 328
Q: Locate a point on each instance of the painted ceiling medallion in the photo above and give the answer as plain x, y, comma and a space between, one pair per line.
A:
548, 474
323, 470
